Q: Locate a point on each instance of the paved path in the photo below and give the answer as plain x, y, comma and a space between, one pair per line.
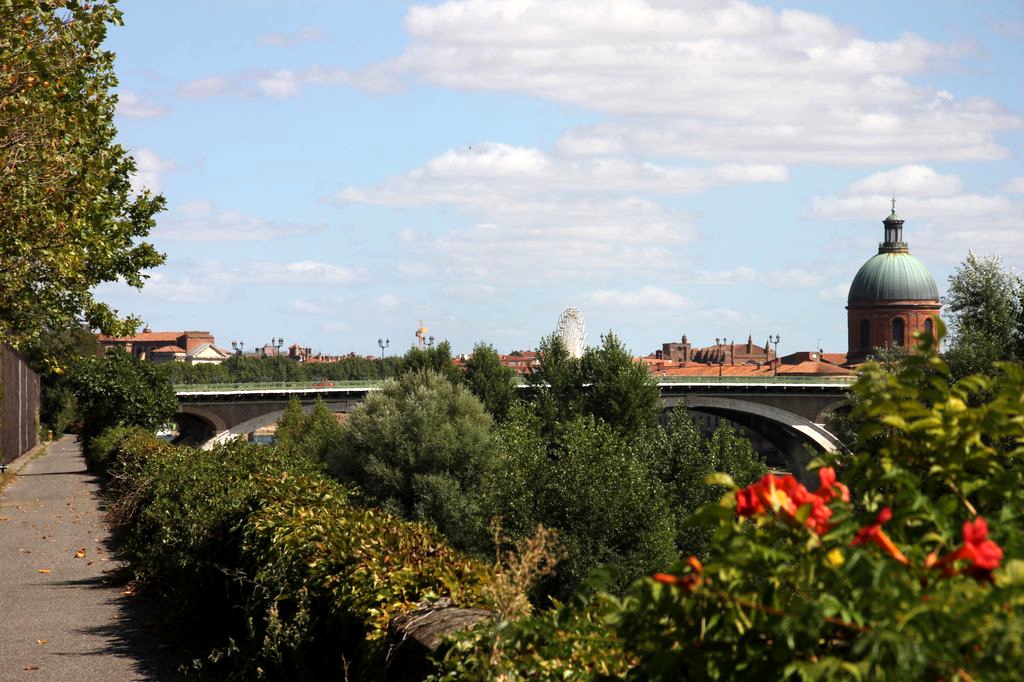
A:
64, 614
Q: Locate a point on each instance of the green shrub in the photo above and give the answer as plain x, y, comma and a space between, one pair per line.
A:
258, 557
118, 389
420, 447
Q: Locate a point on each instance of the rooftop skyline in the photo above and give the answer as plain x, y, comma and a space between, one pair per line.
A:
337, 171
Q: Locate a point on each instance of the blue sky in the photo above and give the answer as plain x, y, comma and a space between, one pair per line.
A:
336, 171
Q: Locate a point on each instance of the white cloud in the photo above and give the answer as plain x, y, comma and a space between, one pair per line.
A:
162, 287
203, 221
386, 301
648, 296
480, 174
205, 87
269, 273
540, 217
911, 179
278, 84
300, 36
836, 292
944, 219
149, 167
722, 80
1015, 186
311, 307
334, 326
131, 105
525, 243
793, 277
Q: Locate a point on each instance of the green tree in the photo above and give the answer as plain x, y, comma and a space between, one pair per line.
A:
490, 381
684, 458
556, 382
420, 447
618, 390
69, 219
984, 306
593, 487
120, 390
434, 358
291, 424
316, 435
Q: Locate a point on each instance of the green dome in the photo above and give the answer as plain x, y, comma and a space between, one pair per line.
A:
893, 276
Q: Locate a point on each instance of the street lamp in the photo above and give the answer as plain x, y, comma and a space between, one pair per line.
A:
276, 344
775, 342
720, 343
383, 343
238, 347
430, 342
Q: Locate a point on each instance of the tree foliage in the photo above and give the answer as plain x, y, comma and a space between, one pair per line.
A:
984, 305
618, 390
914, 572
433, 358
68, 218
118, 389
316, 435
420, 447
490, 381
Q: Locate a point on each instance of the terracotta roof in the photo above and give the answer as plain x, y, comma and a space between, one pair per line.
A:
793, 368
141, 336
834, 358
168, 349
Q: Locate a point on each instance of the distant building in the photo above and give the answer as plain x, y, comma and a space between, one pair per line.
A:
306, 354
892, 297
522, 362
727, 353
193, 347
800, 364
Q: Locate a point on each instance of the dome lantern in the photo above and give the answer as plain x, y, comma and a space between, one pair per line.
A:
893, 233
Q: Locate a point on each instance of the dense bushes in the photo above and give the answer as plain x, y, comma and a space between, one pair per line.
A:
916, 572
252, 548
420, 447
118, 389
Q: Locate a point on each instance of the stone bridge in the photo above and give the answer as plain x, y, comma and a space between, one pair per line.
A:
787, 412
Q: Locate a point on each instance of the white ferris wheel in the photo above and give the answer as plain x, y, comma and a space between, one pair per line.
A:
572, 331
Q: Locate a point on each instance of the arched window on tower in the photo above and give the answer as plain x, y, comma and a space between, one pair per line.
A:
929, 327
897, 332
865, 334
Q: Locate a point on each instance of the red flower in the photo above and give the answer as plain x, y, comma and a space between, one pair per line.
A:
983, 555
874, 534
748, 503
785, 495
688, 582
831, 488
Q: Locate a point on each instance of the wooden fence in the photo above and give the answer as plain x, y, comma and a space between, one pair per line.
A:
19, 430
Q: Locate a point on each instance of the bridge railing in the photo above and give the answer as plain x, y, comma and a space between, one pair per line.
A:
371, 383
837, 380
277, 385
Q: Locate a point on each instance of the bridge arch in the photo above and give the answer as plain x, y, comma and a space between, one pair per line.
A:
248, 426
829, 409
197, 424
789, 432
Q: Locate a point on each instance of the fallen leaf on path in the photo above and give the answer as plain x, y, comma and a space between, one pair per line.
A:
43, 570
5, 518
80, 553
25, 551
31, 667
42, 641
